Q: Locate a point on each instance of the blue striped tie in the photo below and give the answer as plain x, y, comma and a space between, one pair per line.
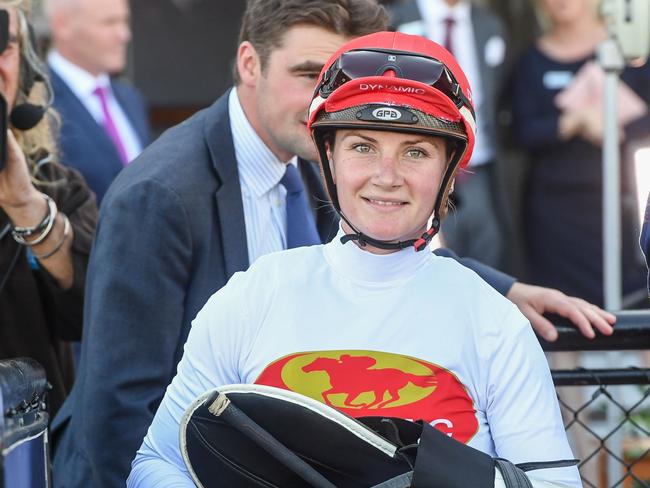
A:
301, 227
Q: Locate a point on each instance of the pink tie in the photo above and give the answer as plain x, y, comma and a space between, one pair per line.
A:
109, 124
450, 22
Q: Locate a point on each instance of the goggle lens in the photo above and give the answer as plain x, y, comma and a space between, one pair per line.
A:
357, 64
366, 62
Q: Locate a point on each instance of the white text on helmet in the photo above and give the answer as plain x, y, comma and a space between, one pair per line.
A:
401, 89
386, 113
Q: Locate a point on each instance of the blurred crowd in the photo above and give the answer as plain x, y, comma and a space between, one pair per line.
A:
179, 217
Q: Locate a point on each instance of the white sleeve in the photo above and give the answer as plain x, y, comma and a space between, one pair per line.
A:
522, 408
500, 483
210, 359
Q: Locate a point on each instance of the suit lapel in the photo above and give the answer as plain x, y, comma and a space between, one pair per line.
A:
326, 217
75, 110
407, 18
230, 209
481, 36
130, 110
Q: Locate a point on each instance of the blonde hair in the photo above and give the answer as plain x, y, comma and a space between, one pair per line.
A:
42, 137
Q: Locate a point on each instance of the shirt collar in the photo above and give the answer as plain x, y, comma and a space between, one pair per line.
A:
80, 81
377, 269
438, 10
258, 167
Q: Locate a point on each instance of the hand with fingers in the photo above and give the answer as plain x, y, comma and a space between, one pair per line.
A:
535, 301
35, 219
18, 196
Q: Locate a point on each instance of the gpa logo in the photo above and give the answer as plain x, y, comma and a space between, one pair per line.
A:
372, 383
387, 114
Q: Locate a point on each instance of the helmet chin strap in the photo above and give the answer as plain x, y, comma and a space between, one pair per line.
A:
417, 244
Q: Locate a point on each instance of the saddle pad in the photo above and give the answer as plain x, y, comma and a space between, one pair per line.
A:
218, 453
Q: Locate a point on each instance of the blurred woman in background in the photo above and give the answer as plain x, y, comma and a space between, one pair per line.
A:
557, 108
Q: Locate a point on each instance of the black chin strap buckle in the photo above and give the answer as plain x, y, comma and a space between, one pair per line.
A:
353, 237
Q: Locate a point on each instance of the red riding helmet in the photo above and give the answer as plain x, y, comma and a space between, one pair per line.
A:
395, 82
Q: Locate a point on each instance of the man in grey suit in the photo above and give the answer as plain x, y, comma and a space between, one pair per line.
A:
476, 37
201, 203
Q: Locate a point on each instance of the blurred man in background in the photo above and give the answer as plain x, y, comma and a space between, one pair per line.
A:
105, 122
476, 37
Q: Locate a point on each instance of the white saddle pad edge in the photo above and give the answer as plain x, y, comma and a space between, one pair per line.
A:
358, 429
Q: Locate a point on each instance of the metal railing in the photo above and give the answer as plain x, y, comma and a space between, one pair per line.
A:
607, 410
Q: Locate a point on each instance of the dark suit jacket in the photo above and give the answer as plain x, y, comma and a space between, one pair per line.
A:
486, 25
84, 144
171, 232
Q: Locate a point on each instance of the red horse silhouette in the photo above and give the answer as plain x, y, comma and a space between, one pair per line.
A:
352, 376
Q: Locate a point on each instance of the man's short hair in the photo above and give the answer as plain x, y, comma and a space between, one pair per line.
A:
266, 21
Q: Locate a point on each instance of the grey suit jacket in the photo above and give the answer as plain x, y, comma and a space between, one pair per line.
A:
171, 232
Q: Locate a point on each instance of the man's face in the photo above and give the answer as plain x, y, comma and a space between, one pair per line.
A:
284, 90
94, 34
10, 61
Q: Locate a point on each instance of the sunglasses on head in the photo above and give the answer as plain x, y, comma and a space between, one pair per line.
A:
359, 63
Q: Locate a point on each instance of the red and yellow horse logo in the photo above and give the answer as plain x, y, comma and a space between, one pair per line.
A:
372, 383
352, 376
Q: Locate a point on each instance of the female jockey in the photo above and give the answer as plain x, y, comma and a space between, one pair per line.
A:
373, 323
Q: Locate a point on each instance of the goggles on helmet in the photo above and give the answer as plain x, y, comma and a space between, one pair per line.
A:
360, 63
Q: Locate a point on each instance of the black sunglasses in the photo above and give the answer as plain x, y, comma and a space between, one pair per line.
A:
359, 63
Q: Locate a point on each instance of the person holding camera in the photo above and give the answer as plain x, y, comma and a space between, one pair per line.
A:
47, 217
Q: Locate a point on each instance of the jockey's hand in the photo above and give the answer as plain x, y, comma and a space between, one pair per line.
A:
534, 301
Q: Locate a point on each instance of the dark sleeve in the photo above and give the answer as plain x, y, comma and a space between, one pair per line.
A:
534, 125
64, 308
501, 282
638, 79
137, 280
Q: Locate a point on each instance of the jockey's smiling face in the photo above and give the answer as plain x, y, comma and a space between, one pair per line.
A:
387, 182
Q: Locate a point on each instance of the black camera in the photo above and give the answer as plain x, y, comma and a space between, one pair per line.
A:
4, 41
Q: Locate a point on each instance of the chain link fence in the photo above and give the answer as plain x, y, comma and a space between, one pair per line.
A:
609, 425
606, 411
